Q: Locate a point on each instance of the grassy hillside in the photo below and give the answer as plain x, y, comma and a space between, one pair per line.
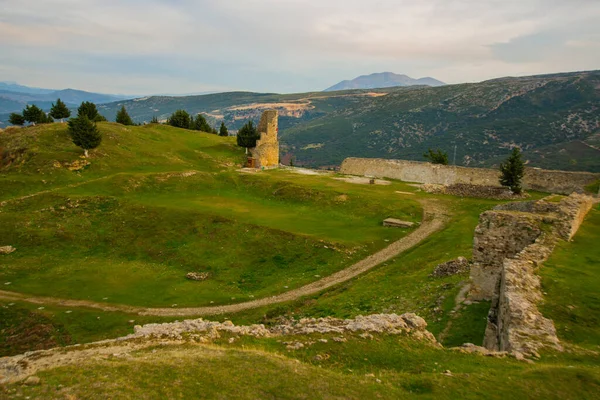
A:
157, 202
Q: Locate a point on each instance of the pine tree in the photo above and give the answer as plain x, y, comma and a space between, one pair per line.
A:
247, 136
512, 171
84, 133
34, 114
200, 124
16, 119
180, 119
123, 117
59, 110
88, 109
223, 130
436, 157
154, 120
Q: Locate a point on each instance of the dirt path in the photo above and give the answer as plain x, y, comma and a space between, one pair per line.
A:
434, 219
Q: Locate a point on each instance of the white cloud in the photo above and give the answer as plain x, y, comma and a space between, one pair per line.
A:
289, 45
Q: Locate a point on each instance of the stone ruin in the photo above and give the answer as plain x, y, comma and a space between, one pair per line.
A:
510, 244
266, 152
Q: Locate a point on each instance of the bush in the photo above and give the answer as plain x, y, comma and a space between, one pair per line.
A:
436, 157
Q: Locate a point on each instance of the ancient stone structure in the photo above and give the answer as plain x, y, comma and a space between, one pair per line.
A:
421, 172
510, 243
266, 151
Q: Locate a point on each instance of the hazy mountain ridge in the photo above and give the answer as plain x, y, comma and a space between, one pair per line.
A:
383, 80
14, 97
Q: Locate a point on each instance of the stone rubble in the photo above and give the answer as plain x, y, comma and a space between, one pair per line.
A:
197, 276
408, 323
452, 267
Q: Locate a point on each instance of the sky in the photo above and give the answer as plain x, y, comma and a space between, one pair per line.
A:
181, 46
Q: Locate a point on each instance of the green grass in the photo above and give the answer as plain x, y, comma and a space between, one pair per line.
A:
388, 367
131, 236
128, 228
570, 279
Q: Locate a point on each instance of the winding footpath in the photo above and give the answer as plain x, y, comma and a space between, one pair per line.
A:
434, 219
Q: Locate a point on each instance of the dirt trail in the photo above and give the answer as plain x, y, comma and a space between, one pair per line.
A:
434, 218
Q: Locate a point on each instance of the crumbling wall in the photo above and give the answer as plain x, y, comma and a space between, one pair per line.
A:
563, 182
511, 242
499, 235
266, 151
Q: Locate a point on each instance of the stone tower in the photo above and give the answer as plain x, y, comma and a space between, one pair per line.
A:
266, 151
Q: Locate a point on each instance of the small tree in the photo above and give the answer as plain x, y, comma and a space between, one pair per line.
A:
59, 110
200, 124
47, 119
512, 171
247, 136
154, 120
180, 119
223, 130
84, 133
436, 157
123, 117
16, 119
34, 114
88, 109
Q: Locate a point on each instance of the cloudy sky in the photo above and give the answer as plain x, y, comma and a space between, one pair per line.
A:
184, 46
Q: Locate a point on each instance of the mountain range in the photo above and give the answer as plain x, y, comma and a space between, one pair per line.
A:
383, 80
554, 118
14, 97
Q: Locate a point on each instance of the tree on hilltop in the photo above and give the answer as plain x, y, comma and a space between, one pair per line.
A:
512, 171
16, 119
436, 157
180, 119
89, 109
200, 124
34, 114
154, 120
223, 130
84, 133
123, 117
247, 136
59, 110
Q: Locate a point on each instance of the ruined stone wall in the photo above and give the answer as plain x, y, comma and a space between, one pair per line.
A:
510, 244
421, 172
499, 235
266, 151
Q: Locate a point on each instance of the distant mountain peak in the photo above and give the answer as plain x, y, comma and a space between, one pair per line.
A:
383, 80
